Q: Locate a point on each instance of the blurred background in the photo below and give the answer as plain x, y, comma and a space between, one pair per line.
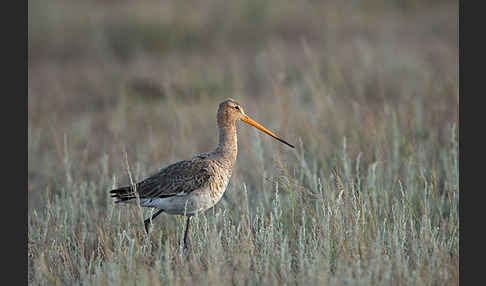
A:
123, 88
146, 77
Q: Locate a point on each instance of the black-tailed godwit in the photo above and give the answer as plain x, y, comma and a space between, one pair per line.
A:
195, 185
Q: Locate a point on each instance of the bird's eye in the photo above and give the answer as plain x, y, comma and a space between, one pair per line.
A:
237, 107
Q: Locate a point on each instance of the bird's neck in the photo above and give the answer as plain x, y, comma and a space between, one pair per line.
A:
227, 146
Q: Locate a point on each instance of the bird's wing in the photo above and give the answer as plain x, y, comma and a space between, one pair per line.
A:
179, 178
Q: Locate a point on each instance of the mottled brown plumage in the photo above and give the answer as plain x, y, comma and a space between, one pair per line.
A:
191, 186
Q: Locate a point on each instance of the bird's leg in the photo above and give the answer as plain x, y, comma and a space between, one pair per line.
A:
147, 221
187, 230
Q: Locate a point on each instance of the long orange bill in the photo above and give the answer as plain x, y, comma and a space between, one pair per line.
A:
250, 121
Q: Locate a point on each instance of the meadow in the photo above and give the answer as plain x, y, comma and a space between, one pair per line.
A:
119, 89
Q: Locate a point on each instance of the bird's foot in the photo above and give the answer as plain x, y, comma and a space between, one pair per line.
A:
147, 225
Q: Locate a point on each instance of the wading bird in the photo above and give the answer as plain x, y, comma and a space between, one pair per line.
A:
195, 185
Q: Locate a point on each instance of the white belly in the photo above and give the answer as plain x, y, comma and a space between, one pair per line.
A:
186, 204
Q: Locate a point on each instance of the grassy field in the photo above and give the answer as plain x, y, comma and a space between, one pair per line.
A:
118, 89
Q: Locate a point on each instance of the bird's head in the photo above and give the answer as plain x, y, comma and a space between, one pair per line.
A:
230, 111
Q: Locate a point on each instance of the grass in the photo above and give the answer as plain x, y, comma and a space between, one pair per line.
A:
356, 87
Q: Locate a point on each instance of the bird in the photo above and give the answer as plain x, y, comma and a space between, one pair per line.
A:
194, 185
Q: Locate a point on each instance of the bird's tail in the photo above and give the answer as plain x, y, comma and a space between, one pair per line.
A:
123, 194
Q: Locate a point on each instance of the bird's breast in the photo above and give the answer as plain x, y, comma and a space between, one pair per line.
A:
219, 180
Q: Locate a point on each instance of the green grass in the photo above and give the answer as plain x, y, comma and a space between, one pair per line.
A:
356, 87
